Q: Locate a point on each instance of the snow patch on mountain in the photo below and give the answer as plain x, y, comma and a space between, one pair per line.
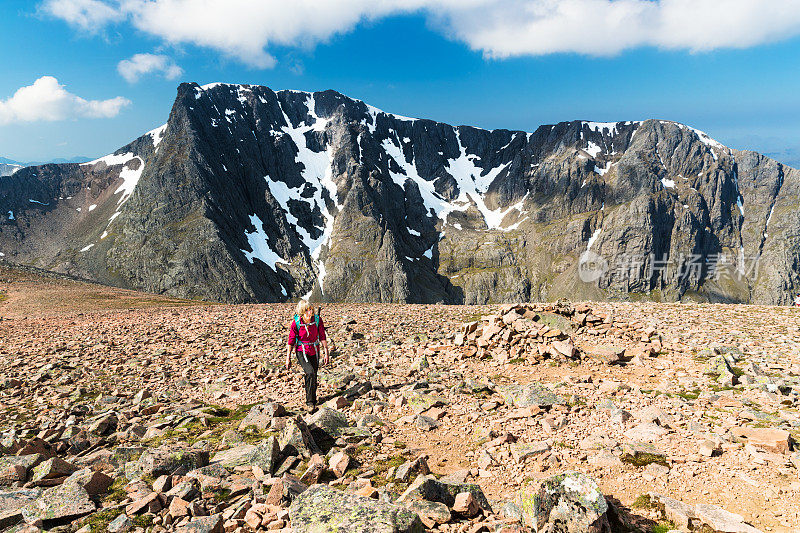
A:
318, 173
130, 178
601, 170
259, 245
472, 180
593, 238
593, 149
157, 134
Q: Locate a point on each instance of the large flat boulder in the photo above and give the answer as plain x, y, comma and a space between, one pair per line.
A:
13, 502
428, 488
265, 455
260, 416
770, 439
566, 503
328, 423
321, 509
166, 459
66, 501
532, 394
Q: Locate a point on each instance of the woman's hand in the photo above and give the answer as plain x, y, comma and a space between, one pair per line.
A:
326, 358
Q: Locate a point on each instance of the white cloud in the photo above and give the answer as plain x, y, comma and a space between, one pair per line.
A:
88, 15
246, 29
47, 100
140, 64
604, 28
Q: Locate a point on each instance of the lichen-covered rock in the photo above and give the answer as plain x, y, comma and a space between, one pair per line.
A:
327, 424
68, 500
566, 503
52, 468
429, 488
13, 502
532, 394
265, 455
16, 467
168, 458
296, 439
430, 512
723, 521
92, 481
260, 416
120, 524
203, 524
321, 509
422, 401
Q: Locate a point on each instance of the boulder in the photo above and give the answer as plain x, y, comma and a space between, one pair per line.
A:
120, 524
522, 451
429, 488
168, 458
296, 439
187, 489
566, 503
323, 509
721, 520
425, 422
203, 524
260, 416
66, 501
92, 481
770, 439
465, 505
53, 468
285, 489
417, 466
680, 513
607, 354
328, 424
13, 502
15, 467
532, 394
338, 463
265, 455
645, 432
422, 401
314, 471
431, 513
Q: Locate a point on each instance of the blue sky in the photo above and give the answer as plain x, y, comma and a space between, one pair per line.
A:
433, 60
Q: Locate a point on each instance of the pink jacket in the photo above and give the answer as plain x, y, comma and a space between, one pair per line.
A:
308, 334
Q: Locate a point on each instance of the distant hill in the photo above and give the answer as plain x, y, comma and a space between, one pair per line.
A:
57, 160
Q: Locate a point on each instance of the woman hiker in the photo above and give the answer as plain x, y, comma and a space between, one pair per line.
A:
306, 334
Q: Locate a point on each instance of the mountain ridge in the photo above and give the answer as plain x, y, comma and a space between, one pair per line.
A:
249, 194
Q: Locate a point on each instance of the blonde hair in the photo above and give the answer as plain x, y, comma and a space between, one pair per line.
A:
302, 307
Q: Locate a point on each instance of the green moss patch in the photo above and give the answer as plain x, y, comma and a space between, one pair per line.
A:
643, 459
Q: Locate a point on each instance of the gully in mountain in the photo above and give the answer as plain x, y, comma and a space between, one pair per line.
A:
306, 336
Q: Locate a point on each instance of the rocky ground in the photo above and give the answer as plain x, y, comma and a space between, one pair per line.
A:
155, 415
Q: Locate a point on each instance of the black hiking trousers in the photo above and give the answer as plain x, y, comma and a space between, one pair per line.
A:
310, 364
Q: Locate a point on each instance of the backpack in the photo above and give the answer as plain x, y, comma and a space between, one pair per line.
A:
315, 344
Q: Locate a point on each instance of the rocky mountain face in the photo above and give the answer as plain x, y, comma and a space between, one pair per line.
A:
247, 195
